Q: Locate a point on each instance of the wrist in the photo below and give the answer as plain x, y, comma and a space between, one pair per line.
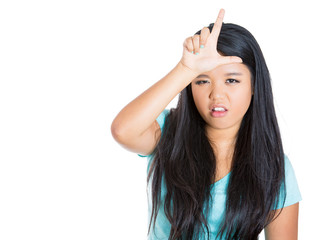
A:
187, 70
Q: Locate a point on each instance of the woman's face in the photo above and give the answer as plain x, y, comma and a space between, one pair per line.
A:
227, 85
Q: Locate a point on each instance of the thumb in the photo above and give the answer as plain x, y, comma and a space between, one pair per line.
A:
230, 59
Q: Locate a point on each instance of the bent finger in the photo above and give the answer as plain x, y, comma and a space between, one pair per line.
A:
196, 44
204, 35
188, 44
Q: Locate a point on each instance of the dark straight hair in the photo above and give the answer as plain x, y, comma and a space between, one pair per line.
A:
185, 162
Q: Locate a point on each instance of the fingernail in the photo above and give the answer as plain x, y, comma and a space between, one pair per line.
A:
202, 46
196, 53
192, 52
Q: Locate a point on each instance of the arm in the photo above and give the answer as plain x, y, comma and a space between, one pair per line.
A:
285, 226
135, 127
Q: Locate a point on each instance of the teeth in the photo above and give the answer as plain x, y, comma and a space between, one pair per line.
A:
218, 109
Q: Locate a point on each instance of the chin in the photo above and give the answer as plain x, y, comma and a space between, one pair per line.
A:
219, 126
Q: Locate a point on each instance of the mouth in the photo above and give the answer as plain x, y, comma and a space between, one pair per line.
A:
219, 109
218, 112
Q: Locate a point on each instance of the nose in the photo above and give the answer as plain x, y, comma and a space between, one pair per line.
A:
217, 92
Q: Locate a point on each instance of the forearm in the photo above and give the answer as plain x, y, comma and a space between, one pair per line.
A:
135, 118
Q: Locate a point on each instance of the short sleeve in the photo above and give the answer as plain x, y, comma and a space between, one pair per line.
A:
293, 194
161, 120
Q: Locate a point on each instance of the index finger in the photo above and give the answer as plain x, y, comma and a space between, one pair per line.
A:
218, 24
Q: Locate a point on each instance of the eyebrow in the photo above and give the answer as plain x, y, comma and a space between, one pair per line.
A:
226, 75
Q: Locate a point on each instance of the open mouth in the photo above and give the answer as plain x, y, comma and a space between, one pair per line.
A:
219, 109
218, 112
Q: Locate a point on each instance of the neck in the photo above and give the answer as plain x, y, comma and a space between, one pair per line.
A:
223, 142
222, 137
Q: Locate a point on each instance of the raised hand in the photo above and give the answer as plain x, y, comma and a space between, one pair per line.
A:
205, 56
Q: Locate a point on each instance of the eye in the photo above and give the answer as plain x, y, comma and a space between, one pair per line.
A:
231, 80
201, 82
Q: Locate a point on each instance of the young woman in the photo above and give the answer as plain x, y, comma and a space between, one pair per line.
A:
216, 165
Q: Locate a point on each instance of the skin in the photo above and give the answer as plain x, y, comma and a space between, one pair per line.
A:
136, 129
219, 87
222, 131
228, 84
285, 227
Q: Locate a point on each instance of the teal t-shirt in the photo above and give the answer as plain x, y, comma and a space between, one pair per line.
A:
162, 227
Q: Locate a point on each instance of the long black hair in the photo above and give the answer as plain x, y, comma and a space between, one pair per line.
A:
185, 162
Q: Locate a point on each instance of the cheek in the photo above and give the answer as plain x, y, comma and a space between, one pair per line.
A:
241, 101
200, 100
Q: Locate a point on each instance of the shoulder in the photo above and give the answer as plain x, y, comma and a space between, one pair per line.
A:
293, 194
161, 122
285, 223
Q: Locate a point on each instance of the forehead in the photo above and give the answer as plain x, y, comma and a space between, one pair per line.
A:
235, 69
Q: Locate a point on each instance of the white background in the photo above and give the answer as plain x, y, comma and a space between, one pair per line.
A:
68, 67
